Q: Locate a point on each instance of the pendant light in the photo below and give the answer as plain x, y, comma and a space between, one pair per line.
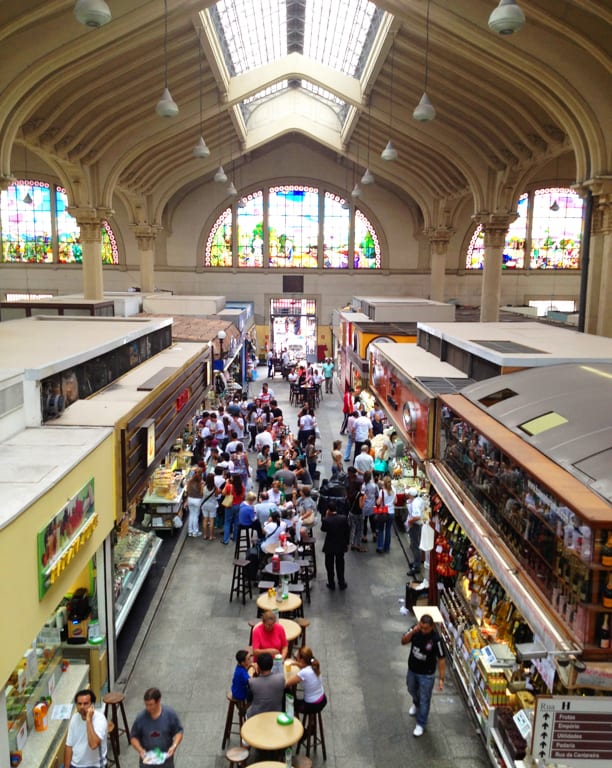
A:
220, 176
200, 149
555, 204
507, 18
424, 111
356, 191
92, 13
231, 189
166, 106
27, 198
368, 176
389, 153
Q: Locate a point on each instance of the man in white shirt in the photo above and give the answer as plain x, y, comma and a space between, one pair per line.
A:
362, 431
414, 521
364, 462
264, 438
86, 740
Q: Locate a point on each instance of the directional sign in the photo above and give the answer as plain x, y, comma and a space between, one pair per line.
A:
575, 731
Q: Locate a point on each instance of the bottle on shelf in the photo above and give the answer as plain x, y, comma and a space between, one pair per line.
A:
603, 635
606, 551
606, 597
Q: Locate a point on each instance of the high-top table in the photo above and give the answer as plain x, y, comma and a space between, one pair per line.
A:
288, 605
263, 732
292, 629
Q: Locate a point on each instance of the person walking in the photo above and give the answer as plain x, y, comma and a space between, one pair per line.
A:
348, 406
369, 491
336, 529
426, 652
328, 375
384, 519
156, 727
86, 743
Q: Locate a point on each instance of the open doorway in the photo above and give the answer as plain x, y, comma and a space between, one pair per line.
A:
293, 326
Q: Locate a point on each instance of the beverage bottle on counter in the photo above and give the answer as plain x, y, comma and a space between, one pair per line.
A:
277, 666
604, 632
288, 757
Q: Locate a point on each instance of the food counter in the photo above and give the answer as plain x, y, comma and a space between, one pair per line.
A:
133, 556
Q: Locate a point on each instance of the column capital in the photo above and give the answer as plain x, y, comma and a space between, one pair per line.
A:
145, 235
495, 226
439, 239
601, 186
6, 181
90, 221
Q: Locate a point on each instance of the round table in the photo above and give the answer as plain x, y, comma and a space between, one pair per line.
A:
267, 764
292, 603
263, 732
292, 628
287, 568
276, 549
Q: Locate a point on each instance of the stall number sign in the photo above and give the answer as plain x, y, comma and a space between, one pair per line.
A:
574, 731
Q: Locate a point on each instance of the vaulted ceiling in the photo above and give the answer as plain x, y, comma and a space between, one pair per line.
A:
84, 99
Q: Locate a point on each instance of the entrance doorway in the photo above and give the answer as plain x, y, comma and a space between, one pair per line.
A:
293, 326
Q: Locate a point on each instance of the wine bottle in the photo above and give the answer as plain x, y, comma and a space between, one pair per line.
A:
606, 597
606, 552
604, 632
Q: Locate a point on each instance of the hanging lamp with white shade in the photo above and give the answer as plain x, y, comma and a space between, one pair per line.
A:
368, 176
92, 13
507, 18
425, 111
166, 106
389, 153
200, 149
220, 176
27, 198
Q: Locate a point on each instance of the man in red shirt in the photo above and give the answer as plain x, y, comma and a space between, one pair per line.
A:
348, 406
269, 637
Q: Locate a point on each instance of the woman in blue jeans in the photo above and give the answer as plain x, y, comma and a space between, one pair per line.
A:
236, 489
384, 522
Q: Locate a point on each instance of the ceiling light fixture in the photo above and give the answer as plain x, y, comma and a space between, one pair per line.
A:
220, 176
27, 198
356, 191
200, 149
424, 111
555, 204
166, 106
231, 189
389, 153
368, 177
92, 13
507, 18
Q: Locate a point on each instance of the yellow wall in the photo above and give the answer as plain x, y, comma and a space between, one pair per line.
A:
23, 614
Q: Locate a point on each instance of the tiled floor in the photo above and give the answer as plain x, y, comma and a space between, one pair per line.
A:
188, 652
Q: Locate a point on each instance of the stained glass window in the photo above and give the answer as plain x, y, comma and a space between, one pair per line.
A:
556, 229
26, 233
293, 226
219, 244
554, 238
70, 250
250, 231
367, 247
335, 232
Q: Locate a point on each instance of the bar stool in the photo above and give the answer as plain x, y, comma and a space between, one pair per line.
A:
240, 581
237, 756
298, 589
114, 700
313, 734
234, 708
304, 624
303, 575
301, 761
307, 545
111, 732
243, 541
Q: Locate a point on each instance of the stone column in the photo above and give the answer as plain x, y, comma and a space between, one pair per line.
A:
90, 222
438, 248
145, 237
5, 182
598, 314
495, 226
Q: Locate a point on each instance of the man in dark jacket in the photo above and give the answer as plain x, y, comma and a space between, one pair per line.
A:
336, 530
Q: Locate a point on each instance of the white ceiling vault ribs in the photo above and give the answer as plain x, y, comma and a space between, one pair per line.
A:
84, 99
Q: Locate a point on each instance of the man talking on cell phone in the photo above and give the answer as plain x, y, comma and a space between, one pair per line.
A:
86, 740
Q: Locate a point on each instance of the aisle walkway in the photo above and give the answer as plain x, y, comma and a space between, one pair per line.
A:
189, 654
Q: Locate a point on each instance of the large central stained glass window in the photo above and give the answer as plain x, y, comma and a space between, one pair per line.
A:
292, 226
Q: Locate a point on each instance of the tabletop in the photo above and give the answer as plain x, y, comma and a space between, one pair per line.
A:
267, 764
292, 628
287, 568
291, 603
263, 732
275, 549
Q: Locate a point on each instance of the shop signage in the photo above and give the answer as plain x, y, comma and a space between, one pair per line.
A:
60, 540
149, 426
183, 399
573, 730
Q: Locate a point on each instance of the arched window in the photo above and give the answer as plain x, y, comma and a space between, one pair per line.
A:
35, 227
298, 219
548, 229
219, 243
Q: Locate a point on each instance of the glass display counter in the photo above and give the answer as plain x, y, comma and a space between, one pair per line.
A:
133, 555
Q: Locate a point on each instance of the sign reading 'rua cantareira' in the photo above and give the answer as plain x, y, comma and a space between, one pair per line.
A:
60, 540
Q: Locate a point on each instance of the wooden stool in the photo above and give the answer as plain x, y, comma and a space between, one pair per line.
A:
303, 575
233, 707
307, 545
240, 581
298, 589
243, 541
114, 700
264, 586
114, 740
237, 756
304, 624
252, 624
301, 761
313, 734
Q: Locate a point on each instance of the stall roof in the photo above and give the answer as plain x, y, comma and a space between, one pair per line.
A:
523, 344
388, 329
565, 411
43, 345
36, 459
433, 374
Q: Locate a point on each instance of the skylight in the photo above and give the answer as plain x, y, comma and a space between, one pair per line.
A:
336, 33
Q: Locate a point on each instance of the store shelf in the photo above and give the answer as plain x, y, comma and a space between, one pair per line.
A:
510, 763
134, 588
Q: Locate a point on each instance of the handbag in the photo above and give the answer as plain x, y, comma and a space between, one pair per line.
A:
381, 509
228, 500
380, 465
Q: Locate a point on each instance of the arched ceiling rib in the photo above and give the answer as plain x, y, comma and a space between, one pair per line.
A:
87, 97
